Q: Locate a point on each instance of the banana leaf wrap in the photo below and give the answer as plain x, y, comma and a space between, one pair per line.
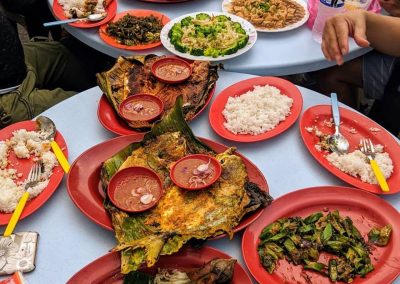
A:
143, 237
132, 75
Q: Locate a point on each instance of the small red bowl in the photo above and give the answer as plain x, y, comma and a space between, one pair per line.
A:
123, 176
141, 98
205, 158
167, 61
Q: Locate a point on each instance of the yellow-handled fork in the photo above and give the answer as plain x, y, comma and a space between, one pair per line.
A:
369, 150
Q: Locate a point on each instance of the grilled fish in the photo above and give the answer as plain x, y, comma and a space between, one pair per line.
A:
132, 75
180, 215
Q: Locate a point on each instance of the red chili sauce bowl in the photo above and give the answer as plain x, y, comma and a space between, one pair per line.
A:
141, 107
135, 189
171, 70
187, 174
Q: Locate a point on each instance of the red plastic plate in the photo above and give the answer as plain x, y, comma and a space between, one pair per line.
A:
111, 10
287, 88
24, 166
112, 122
316, 115
164, 1
85, 190
138, 13
106, 269
365, 209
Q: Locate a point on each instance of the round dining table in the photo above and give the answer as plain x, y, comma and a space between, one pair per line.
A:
274, 54
69, 240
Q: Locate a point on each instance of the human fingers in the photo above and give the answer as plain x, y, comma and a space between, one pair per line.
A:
342, 31
330, 39
360, 36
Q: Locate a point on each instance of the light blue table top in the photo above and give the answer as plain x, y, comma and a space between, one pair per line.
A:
69, 240
273, 54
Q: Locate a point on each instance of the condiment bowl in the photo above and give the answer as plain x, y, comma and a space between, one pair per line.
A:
140, 99
124, 177
170, 60
188, 167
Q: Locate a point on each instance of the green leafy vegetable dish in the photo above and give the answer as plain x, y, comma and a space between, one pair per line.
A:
132, 30
301, 240
207, 35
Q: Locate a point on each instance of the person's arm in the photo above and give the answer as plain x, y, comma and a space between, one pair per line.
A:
367, 29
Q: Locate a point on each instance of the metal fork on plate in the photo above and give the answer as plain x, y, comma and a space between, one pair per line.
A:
32, 180
369, 150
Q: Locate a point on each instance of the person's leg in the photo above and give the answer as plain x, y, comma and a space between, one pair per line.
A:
56, 67
342, 80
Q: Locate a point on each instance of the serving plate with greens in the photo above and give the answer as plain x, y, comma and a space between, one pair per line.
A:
325, 234
212, 36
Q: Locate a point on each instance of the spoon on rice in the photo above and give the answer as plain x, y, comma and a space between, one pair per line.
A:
337, 142
90, 18
46, 125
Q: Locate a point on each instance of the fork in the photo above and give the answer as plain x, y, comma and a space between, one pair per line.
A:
369, 150
32, 180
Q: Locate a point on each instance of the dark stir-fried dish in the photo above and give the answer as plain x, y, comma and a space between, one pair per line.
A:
180, 215
133, 30
213, 272
132, 75
301, 240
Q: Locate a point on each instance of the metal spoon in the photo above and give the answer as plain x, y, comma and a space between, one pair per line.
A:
90, 18
337, 142
46, 125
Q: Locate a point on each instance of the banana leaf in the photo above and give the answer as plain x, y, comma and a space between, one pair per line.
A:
141, 241
122, 80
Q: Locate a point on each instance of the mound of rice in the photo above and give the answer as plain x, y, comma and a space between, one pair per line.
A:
3, 155
357, 164
24, 144
256, 111
82, 8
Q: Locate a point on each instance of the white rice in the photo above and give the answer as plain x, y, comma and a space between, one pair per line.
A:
25, 144
3, 155
357, 164
10, 193
79, 8
256, 111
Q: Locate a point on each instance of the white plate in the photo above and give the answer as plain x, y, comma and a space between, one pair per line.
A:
227, 3
249, 28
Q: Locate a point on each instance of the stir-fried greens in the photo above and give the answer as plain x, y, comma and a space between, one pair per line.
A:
380, 236
208, 35
301, 240
132, 30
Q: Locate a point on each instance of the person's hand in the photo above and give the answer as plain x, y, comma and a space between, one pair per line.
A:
338, 29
